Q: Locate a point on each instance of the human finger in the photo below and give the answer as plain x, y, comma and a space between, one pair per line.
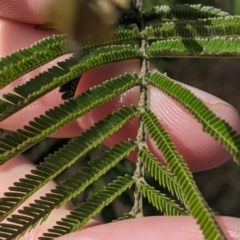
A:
15, 169
28, 11
152, 228
199, 150
202, 154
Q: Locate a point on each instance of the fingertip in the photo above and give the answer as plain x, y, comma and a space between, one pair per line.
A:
28, 11
152, 228
18, 35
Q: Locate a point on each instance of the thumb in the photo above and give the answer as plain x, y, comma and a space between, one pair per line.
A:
152, 228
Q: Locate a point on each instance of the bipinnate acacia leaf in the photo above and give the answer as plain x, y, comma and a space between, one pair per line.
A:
69, 188
161, 173
85, 211
56, 163
212, 124
58, 117
195, 203
62, 73
196, 47
160, 201
200, 28
179, 31
27, 59
183, 12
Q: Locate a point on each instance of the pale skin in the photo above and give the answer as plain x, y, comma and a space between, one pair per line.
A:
17, 31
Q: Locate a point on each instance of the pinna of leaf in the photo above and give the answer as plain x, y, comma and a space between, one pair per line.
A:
80, 19
176, 177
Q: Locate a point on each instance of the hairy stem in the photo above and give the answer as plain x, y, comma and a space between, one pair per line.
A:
137, 210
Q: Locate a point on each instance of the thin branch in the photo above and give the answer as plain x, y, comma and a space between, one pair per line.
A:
137, 210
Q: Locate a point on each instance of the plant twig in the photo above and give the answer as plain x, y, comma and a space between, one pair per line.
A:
137, 210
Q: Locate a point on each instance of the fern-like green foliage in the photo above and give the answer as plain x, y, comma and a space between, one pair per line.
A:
181, 31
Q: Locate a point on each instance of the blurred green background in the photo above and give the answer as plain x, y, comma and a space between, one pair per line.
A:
220, 77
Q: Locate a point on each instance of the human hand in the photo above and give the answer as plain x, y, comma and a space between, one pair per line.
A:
200, 155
